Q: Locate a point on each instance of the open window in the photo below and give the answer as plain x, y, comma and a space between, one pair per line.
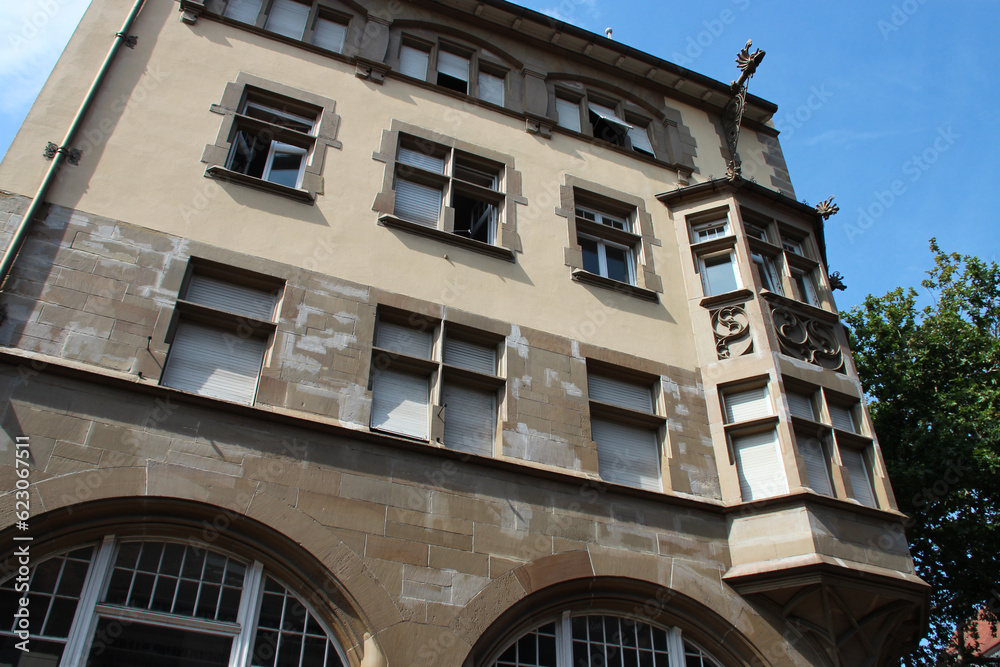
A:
606, 119
461, 69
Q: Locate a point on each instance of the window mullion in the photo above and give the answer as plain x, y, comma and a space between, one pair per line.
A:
676, 647
564, 641
80, 636
602, 257
247, 615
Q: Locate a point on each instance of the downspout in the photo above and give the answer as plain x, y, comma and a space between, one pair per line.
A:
36, 204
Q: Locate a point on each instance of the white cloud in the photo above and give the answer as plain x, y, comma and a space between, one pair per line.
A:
32, 35
846, 137
575, 12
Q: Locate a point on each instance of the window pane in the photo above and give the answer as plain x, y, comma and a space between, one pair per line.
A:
405, 340
245, 11
43, 653
591, 261
568, 113
631, 395
155, 646
857, 468
400, 403
719, 277
453, 71
233, 297
417, 203
842, 418
618, 264
469, 419
249, 154
288, 18
214, 362
627, 455
329, 34
474, 219
491, 88
413, 62
286, 164
749, 404
421, 159
759, 466
639, 136
816, 467
476, 357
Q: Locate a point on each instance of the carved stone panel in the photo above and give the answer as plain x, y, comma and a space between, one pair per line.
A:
806, 338
731, 325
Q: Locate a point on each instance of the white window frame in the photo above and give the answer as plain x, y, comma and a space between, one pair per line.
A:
768, 272
91, 609
288, 149
709, 230
805, 286
274, 145
702, 264
602, 257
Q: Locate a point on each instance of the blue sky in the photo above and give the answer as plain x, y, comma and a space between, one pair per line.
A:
890, 105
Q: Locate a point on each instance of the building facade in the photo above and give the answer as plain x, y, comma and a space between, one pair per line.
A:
423, 332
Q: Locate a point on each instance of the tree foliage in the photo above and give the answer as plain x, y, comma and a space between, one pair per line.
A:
932, 376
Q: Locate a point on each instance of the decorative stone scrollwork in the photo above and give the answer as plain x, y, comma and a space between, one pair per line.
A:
732, 331
807, 338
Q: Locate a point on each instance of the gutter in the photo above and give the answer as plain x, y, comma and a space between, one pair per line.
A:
21, 233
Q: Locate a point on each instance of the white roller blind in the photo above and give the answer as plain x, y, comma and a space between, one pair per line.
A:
453, 65
329, 34
413, 157
214, 362
245, 11
627, 455
749, 404
842, 418
491, 88
857, 469
640, 139
569, 114
231, 297
609, 114
413, 62
469, 419
418, 203
758, 464
815, 459
399, 403
616, 392
800, 405
405, 340
462, 353
288, 18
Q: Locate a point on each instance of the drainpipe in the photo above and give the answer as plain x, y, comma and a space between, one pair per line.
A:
63, 150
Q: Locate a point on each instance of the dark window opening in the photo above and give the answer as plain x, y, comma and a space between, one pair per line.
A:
614, 133
474, 219
453, 83
250, 153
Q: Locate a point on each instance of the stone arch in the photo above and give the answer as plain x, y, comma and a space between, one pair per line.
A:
316, 564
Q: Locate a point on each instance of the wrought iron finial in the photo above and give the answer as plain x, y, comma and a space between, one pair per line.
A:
837, 281
733, 114
827, 208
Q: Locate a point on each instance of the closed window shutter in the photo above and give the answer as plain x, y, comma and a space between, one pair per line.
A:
405, 340
329, 34
569, 114
214, 362
842, 418
453, 65
231, 297
640, 140
469, 419
623, 394
800, 405
461, 353
287, 18
758, 464
421, 160
627, 455
749, 404
244, 11
854, 461
491, 88
413, 62
399, 403
418, 203
819, 474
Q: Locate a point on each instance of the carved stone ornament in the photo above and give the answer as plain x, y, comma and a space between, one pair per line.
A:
191, 10
732, 331
807, 338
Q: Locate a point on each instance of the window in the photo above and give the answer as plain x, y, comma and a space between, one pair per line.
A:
597, 640
805, 287
271, 143
274, 138
626, 429
792, 246
606, 120
288, 18
801, 405
409, 377
463, 70
710, 230
244, 11
767, 272
718, 273
329, 32
428, 174
165, 604
602, 255
814, 455
859, 472
220, 333
750, 423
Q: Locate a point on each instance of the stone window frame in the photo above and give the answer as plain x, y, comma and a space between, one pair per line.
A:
325, 135
588, 194
439, 372
508, 241
231, 322
427, 38
739, 429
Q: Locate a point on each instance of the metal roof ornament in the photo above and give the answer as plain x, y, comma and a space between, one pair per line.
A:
827, 208
733, 114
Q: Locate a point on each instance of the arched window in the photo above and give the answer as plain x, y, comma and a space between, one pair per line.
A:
601, 640
158, 603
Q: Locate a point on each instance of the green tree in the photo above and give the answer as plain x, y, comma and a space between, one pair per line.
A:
932, 376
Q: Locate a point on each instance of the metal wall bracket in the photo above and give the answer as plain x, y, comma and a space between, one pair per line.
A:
129, 40
72, 154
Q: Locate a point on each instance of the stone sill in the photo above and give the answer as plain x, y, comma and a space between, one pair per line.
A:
223, 174
498, 252
588, 278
